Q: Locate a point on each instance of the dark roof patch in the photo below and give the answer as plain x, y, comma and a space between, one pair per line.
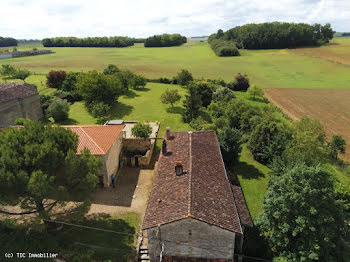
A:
241, 204
204, 193
10, 91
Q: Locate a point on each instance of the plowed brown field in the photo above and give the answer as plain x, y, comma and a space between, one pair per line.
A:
331, 107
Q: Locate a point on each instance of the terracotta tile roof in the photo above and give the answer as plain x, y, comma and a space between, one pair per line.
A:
10, 91
242, 208
204, 193
192, 259
98, 139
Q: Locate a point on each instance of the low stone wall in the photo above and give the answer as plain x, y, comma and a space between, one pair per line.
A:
25, 53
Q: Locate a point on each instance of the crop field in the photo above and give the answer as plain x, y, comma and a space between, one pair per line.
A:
338, 51
331, 107
266, 68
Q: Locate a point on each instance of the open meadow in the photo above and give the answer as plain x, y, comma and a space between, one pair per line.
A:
266, 68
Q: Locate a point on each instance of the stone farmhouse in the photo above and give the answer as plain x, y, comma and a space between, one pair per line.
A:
194, 213
18, 100
105, 142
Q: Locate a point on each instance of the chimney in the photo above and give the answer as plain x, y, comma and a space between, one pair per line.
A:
179, 171
164, 147
167, 133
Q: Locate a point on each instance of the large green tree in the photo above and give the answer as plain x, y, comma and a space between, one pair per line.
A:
230, 140
96, 87
40, 171
192, 104
308, 142
302, 219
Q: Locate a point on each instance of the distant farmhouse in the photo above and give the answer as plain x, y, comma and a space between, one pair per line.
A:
18, 100
194, 213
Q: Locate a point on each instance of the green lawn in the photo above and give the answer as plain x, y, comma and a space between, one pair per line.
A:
266, 68
253, 177
140, 105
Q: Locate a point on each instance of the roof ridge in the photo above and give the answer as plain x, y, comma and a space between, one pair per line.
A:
91, 139
190, 178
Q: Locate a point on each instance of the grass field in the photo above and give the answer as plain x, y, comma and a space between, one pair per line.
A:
266, 68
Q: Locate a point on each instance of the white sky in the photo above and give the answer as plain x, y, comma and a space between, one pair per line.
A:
38, 19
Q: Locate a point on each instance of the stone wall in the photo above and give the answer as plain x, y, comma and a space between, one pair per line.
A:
111, 159
136, 144
28, 107
191, 238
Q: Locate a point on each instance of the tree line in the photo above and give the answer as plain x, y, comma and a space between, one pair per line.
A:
276, 35
8, 41
115, 41
165, 40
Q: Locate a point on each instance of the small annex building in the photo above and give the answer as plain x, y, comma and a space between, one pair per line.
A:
104, 142
194, 213
18, 100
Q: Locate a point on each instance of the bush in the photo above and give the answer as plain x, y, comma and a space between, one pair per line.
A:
141, 130
184, 77
241, 83
21, 74
224, 48
255, 92
99, 109
45, 98
198, 123
55, 79
223, 94
111, 70
58, 109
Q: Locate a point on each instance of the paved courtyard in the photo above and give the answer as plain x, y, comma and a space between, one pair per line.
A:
131, 192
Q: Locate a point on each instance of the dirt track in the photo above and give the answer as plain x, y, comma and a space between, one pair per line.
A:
331, 107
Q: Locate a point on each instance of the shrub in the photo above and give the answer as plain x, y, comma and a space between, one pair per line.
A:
184, 77
141, 130
198, 123
223, 94
21, 74
58, 109
99, 109
224, 48
337, 145
241, 83
255, 92
54, 79
111, 70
